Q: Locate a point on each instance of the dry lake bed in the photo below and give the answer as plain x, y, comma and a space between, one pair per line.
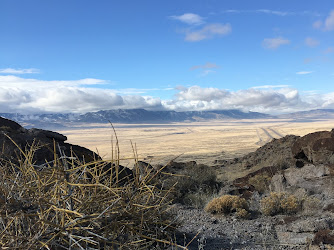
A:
203, 142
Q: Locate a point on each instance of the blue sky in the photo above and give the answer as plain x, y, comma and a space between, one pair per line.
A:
79, 56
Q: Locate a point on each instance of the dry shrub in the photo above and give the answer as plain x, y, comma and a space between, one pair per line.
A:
260, 182
195, 184
69, 204
227, 204
278, 203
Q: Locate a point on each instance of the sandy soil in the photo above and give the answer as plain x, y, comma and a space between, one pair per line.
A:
203, 142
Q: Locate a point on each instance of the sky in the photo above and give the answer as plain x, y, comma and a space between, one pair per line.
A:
84, 55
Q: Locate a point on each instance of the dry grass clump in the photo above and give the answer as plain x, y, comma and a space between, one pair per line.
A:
69, 204
195, 184
280, 203
260, 182
227, 204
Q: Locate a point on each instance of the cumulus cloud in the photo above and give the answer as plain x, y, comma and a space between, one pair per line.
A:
311, 42
262, 100
31, 95
19, 71
189, 18
267, 99
327, 24
304, 72
207, 32
274, 43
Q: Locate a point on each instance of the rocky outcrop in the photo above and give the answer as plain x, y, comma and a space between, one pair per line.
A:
316, 148
45, 141
276, 152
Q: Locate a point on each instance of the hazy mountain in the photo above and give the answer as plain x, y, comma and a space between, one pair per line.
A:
58, 120
310, 115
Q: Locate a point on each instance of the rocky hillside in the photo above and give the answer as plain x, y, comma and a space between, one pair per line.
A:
279, 197
287, 188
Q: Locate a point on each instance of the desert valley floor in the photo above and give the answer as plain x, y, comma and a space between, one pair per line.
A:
203, 142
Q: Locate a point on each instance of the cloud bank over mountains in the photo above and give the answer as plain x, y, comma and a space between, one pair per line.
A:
23, 95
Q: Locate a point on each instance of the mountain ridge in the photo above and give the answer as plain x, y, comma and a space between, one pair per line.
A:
133, 116
129, 116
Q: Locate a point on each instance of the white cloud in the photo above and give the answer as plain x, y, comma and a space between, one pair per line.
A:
189, 18
304, 72
311, 42
275, 12
327, 24
208, 31
31, 95
270, 86
207, 72
261, 100
267, 100
274, 43
196, 93
19, 71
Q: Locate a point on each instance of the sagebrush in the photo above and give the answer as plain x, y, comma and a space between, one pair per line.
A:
280, 203
227, 204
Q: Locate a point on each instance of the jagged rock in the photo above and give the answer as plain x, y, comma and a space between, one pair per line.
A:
46, 133
296, 176
316, 148
6, 125
46, 140
278, 183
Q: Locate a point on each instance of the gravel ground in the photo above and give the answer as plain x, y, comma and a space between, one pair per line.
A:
227, 232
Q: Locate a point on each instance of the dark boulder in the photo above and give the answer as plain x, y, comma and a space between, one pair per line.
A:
12, 133
316, 148
9, 125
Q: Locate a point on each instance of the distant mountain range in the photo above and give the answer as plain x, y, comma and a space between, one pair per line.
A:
59, 120
310, 115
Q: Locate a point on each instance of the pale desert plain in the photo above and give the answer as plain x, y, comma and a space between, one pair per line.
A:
203, 142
